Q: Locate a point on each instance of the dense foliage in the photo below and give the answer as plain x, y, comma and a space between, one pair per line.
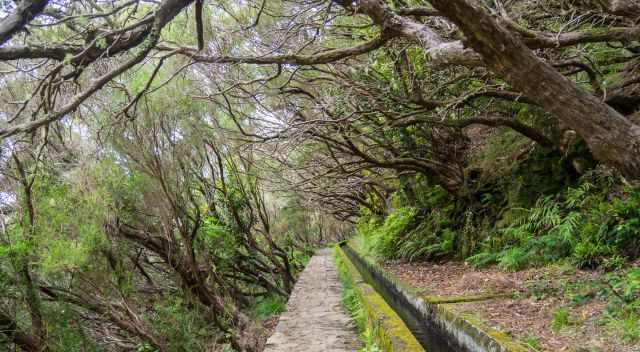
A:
166, 167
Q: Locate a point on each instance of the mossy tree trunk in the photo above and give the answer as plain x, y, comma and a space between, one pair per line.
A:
613, 139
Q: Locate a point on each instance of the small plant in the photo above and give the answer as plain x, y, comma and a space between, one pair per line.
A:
145, 347
533, 342
427, 241
631, 328
383, 240
482, 259
370, 345
591, 255
616, 262
560, 318
622, 290
513, 259
269, 306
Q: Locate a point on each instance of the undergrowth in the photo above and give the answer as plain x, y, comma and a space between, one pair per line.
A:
591, 222
623, 311
535, 211
268, 306
584, 226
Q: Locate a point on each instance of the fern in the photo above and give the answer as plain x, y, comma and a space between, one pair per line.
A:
425, 244
576, 196
482, 259
544, 215
543, 234
516, 235
513, 259
567, 227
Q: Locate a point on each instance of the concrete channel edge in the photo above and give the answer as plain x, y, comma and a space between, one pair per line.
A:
462, 333
391, 334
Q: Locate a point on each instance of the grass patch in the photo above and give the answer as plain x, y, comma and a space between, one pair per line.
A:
560, 319
354, 306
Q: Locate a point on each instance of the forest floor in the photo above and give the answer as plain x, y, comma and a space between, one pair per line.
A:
315, 319
555, 308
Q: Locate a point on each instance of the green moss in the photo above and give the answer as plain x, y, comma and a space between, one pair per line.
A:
391, 334
464, 299
401, 338
475, 326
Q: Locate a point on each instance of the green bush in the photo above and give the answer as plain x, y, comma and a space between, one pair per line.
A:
64, 333
482, 259
590, 255
405, 234
593, 223
513, 259
269, 306
427, 241
383, 240
184, 329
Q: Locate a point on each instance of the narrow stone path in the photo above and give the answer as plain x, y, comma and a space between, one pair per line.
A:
315, 320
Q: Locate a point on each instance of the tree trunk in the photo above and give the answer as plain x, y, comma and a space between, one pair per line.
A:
25, 11
613, 139
24, 341
31, 295
627, 8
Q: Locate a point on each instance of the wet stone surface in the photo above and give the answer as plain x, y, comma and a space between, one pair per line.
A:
315, 319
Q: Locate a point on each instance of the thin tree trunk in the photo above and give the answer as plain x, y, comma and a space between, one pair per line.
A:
32, 297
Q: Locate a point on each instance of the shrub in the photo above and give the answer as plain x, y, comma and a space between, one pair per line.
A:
513, 259
383, 240
590, 255
184, 329
583, 225
427, 241
482, 259
269, 306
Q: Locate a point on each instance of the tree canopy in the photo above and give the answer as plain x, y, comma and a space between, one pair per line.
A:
173, 163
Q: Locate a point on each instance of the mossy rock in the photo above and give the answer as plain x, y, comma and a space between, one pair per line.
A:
465, 298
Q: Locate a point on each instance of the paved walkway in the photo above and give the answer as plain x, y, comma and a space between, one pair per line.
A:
315, 320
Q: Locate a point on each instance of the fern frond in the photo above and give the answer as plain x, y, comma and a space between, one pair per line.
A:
576, 196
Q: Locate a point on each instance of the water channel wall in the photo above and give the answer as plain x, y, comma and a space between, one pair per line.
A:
433, 324
390, 332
